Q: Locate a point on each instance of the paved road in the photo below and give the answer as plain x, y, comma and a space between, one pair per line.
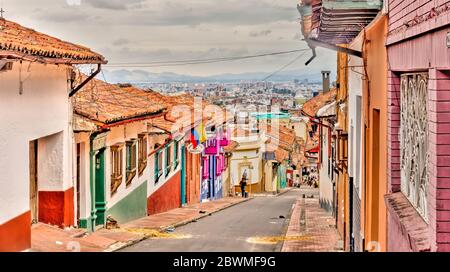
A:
230, 229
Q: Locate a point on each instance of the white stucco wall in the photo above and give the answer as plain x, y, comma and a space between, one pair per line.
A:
121, 134
248, 152
301, 129
270, 178
355, 85
152, 187
41, 110
325, 171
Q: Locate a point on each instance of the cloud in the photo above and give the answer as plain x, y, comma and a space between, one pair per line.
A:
115, 4
196, 12
121, 41
62, 16
260, 33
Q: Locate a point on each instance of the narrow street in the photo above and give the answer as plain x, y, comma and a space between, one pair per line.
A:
248, 227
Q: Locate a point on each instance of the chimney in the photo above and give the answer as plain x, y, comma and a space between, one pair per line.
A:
326, 81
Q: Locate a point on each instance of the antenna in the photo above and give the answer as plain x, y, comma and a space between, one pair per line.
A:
2, 11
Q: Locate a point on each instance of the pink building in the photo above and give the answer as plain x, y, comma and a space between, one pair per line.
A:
418, 46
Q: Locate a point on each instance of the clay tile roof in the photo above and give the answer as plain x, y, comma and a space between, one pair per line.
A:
284, 136
231, 146
17, 41
312, 106
280, 153
107, 103
182, 113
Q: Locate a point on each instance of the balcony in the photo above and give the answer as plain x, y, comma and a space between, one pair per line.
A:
224, 142
212, 147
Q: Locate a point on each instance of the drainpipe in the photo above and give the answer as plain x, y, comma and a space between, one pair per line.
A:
82, 84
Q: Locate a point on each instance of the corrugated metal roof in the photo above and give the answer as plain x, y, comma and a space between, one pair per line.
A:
337, 21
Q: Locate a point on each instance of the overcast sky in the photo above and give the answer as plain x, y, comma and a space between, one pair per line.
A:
160, 30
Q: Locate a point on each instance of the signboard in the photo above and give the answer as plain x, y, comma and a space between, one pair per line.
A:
200, 148
99, 142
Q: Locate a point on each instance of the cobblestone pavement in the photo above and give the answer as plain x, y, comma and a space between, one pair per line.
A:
311, 228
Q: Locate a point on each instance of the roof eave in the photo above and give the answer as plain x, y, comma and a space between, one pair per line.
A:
18, 56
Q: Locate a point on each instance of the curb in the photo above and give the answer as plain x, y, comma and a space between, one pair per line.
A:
286, 225
273, 195
286, 191
121, 245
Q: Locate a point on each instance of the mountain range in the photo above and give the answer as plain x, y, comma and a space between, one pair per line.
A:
141, 76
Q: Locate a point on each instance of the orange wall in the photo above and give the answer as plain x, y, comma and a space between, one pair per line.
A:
342, 118
15, 235
375, 101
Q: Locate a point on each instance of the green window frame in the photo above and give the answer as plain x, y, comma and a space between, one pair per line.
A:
176, 159
158, 166
168, 166
131, 161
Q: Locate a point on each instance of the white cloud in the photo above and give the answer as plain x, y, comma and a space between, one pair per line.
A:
155, 30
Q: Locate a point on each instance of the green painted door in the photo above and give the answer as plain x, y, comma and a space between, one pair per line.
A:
183, 176
100, 195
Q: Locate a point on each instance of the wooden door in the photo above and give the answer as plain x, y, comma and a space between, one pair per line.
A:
33, 151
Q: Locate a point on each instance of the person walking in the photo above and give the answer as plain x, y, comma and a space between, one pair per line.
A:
243, 184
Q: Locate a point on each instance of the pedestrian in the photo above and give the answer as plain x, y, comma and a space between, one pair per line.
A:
243, 184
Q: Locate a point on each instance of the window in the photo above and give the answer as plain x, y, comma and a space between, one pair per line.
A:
414, 140
176, 160
116, 168
142, 154
168, 167
205, 167
131, 161
158, 165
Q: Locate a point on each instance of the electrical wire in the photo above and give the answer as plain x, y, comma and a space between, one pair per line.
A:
200, 61
285, 66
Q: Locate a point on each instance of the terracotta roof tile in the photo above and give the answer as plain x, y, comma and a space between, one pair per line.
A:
314, 104
231, 146
17, 41
107, 103
182, 113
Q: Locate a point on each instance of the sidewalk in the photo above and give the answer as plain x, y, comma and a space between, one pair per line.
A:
311, 229
45, 238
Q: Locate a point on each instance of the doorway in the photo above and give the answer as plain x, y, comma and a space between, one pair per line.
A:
100, 194
34, 194
375, 174
78, 185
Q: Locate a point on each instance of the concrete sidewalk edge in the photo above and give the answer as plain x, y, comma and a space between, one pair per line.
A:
286, 225
121, 245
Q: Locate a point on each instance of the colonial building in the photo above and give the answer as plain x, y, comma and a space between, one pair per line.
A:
321, 113
418, 84
335, 25
37, 142
247, 158
114, 138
